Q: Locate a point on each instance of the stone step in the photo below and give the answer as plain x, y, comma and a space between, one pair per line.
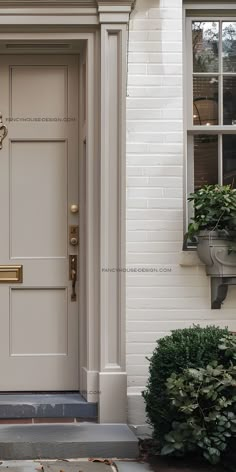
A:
62, 441
43, 405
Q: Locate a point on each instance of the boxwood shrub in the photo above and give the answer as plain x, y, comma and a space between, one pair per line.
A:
205, 403
194, 347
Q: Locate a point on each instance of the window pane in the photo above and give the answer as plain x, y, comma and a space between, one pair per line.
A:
229, 159
205, 101
205, 160
205, 37
229, 46
229, 95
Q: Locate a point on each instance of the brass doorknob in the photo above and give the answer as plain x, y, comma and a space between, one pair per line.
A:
74, 208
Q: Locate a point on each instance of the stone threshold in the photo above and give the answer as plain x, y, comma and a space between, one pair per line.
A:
31, 406
46, 420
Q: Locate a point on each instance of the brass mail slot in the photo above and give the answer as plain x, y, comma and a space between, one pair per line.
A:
11, 274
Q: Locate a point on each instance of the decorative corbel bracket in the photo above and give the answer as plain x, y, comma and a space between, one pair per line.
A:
219, 290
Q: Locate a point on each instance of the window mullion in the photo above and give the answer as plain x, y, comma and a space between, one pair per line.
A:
189, 70
220, 159
190, 177
221, 108
220, 76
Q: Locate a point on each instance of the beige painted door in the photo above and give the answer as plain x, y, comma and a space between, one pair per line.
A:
38, 184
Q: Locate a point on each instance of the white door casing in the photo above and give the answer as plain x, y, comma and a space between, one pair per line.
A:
38, 183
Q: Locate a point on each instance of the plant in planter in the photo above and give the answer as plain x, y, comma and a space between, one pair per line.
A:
213, 228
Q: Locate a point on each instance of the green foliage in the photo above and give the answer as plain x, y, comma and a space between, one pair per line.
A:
191, 394
214, 209
205, 401
228, 345
186, 348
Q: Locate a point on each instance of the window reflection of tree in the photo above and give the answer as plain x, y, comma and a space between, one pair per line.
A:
229, 46
205, 46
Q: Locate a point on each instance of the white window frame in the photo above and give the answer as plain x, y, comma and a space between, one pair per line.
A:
202, 12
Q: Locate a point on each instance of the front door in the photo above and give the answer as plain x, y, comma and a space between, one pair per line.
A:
38, 186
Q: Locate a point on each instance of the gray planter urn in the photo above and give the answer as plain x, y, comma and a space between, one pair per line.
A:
213, 251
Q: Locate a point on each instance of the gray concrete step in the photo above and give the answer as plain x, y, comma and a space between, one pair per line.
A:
46, 405
63, 441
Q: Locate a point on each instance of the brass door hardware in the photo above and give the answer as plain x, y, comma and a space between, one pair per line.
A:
3, 131
74, 208
74, 235
11, 274
73, 276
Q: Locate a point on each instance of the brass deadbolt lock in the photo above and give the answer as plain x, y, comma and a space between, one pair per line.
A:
74, 241
74, 235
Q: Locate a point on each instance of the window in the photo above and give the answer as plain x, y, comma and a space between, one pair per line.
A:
211, 99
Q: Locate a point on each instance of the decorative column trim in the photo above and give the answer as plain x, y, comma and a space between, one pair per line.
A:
112, 195
113, 16
89, 186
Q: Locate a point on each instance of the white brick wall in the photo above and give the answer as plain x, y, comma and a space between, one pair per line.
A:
179, 297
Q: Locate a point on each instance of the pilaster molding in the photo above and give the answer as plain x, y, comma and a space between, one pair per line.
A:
112, 375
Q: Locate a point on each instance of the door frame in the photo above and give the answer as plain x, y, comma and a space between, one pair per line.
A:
101, 28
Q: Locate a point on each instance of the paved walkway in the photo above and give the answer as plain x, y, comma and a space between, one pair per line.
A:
100, 465
82, 465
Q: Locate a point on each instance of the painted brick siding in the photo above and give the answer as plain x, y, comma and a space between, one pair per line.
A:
176, 296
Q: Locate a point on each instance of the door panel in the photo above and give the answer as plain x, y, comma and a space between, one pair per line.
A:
45, 87
50, 312
38, 183
40, 168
